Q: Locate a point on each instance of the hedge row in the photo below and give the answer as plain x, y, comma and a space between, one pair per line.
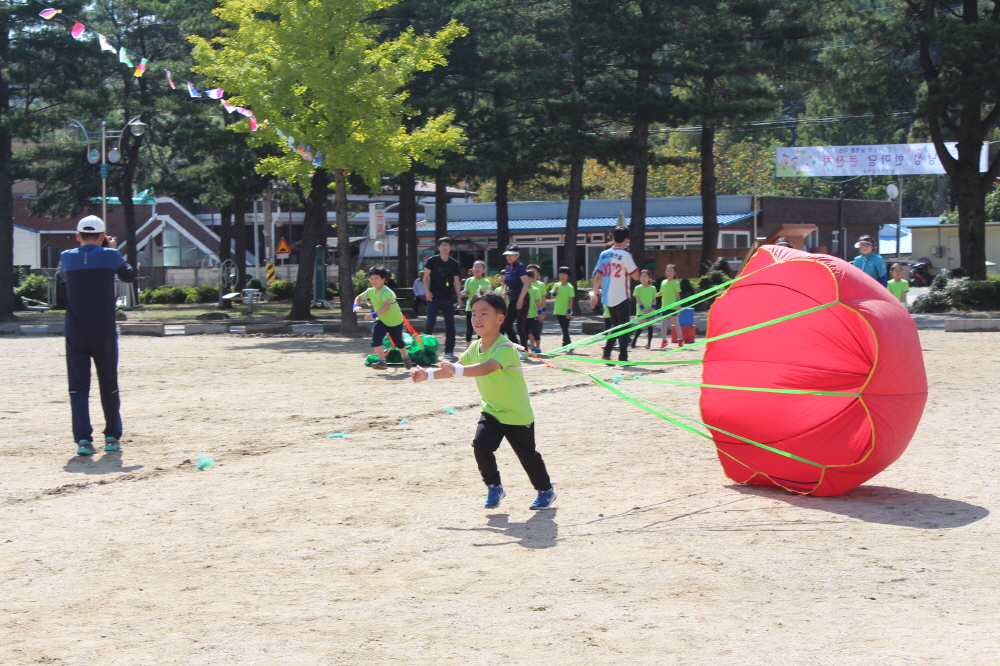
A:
951, 292
202, 294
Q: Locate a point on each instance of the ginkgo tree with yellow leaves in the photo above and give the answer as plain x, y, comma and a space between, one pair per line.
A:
320, 72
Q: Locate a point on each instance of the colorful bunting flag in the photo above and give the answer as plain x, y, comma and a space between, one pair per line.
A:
170, 80
228, 107
291, 143
318, 160
245, 112
309, 153
141, 69
123, 57
49, 13
192, 90
253, 124
215, 93
105, 44
77, 30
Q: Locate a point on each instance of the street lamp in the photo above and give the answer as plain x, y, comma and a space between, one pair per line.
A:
135, 126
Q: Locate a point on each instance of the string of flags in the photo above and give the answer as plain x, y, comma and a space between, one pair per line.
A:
79, 30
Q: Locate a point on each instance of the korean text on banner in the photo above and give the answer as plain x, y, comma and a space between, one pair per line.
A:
901, 159
376, 220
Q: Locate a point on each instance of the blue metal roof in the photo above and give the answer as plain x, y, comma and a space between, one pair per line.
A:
587, 224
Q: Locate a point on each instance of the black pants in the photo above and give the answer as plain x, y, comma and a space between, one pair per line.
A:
519, 317
620, 314
446, 307
649, 335
104, 351
468, 327
564, 325
490, 433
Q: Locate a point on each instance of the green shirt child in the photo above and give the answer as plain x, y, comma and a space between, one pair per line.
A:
645, 298
534, 293
380, 297
670, 291
899, 289
563, 294
472, 286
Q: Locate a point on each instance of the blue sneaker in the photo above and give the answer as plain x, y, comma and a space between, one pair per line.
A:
545, 499
493, 497
112, 444
86, 448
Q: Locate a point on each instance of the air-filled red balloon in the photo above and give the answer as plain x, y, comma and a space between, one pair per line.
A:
854, 372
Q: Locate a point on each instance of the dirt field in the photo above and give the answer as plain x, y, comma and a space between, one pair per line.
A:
300, 548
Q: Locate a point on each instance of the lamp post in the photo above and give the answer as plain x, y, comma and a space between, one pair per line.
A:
135, 126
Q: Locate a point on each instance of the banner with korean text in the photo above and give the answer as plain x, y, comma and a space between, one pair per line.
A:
900, 159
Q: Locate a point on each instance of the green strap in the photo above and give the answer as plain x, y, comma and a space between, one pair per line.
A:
600, 360
750, 388
659, 410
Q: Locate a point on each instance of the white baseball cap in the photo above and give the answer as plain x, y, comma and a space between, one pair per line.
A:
90, 225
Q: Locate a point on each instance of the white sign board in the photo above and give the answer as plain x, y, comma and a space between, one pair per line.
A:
376, 220
900, 159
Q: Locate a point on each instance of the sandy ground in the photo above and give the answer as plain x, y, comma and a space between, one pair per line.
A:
299, 548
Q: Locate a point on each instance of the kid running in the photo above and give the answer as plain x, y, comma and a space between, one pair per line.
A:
473, 286
645, 303
670, 292
563, 292
493, 361
386, 315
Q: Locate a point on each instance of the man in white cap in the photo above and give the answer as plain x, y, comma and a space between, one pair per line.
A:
90, 330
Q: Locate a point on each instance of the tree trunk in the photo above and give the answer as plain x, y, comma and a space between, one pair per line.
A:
640, 185
345, 284
240, 242
312, 225
440, 205
573, 221
503, 215
123, 188
407, 194
971, 195
709, 205
6, 184
225, 248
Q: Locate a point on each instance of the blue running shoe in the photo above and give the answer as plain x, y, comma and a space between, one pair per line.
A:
86, 448
545, 499
493, 497
112, 444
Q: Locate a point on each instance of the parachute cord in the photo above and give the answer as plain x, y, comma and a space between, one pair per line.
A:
662, 411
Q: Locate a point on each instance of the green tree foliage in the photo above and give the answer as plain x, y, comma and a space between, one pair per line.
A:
940, 59
317, 71
44, 75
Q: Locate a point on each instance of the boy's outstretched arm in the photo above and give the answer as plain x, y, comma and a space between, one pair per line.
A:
449, 370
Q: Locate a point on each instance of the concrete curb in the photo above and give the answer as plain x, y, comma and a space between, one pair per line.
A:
154, 330
205, 329
13, 329
971, 325
268, 329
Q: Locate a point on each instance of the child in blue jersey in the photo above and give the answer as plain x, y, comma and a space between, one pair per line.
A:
869, 260
90, 330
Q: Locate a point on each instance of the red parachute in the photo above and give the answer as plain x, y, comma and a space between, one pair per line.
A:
843, 384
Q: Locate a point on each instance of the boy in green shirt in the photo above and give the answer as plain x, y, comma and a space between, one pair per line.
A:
387, 316
670, 292
473, 286
897, 285
536, 311
494, 362
563, 292
645, 302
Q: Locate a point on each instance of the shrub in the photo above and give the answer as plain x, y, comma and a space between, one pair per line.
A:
360, 281
584, 284
934, 301
255, 283
282, 289
722, 266
168, 295
34, 286
207, 294
939, 281
687, 289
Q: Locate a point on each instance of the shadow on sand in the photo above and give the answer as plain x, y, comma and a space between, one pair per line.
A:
880, 504
109, 463
539, 531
